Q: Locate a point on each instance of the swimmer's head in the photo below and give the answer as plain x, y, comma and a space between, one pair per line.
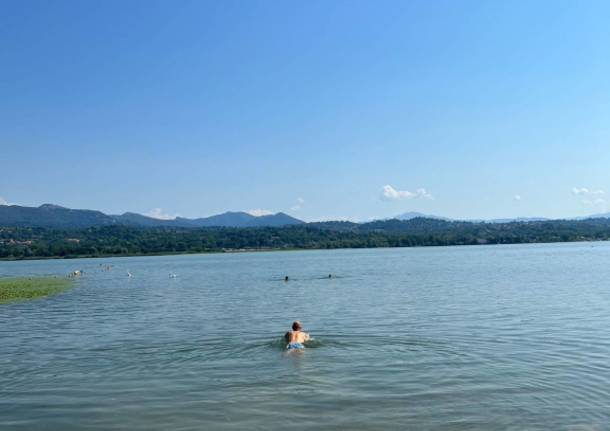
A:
296, 325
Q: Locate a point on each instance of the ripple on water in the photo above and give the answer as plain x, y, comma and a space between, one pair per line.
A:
488, 338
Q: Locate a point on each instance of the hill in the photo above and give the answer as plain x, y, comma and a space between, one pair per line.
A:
52, 216
123, 240
243, 219
57, 217
414, 214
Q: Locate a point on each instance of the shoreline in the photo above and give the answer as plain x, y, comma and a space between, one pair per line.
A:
269, 250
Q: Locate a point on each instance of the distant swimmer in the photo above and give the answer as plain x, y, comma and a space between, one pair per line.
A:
172, 275
330, 276
129, 274
296, 337
286, 278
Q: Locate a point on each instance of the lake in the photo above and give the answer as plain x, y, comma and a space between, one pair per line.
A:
441, 338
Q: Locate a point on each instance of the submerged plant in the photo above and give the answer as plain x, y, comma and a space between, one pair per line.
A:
23, 288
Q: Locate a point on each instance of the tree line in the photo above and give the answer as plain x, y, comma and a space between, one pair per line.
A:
22, 243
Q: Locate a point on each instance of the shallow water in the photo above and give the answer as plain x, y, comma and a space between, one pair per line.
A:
455, 338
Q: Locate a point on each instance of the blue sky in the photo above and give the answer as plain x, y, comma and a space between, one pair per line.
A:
342, 109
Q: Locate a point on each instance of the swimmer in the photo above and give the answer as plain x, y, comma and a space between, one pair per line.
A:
330, 276
296, 337
286, 278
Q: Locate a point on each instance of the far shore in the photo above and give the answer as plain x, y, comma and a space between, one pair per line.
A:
178, 253
267, 250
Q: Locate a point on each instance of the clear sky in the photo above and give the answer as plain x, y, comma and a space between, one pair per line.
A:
321, 109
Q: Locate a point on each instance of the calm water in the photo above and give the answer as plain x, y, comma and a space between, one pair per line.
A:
455, 338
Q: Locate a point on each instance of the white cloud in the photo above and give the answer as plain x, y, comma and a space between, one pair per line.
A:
259, 212
583, 191
590, 197
595, 202
390, 193
578, 191
298, 204
5, 202
517, 197
158, 214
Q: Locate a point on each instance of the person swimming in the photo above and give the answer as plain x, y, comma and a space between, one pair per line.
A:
296, 338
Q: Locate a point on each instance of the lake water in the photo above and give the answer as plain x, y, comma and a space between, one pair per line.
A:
456, 338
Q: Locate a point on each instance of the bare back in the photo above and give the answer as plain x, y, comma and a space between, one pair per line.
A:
296, 336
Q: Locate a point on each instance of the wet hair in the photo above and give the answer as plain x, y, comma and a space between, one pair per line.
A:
296, 325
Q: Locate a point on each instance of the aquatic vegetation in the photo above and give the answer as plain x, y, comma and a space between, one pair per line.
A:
23, 288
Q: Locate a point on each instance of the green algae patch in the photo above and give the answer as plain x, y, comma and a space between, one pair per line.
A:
24, 288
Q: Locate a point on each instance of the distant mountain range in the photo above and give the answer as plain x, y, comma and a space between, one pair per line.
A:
600, 215
55, 216
411, 215
127, 240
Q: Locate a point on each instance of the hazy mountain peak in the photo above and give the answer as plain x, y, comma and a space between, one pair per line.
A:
414, 214
52, 206
46, 216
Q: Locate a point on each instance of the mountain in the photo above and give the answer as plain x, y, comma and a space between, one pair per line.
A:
414, 225
21, 243
58, 217
134, 219
227, 219
414, 214
243, 219
601, 215
274, 220
55, 216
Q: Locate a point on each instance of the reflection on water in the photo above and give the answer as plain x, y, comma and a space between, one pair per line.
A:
456, 338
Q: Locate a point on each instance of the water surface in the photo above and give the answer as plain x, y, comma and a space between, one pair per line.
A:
453, 338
